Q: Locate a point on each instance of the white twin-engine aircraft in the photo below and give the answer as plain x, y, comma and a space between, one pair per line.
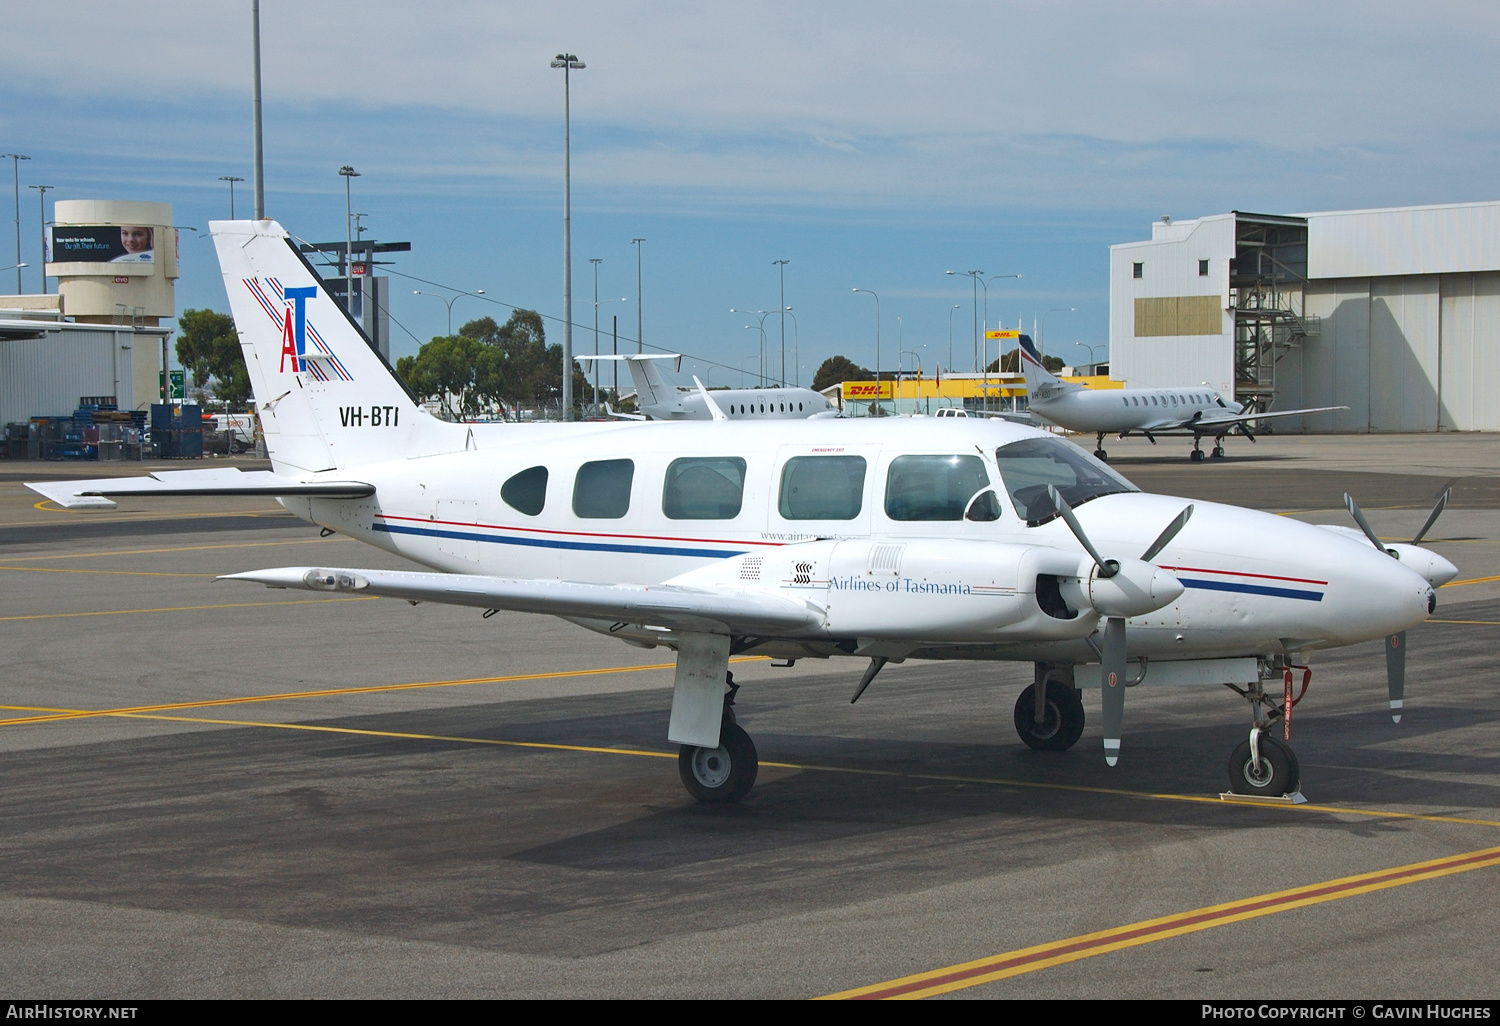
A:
1148, 411
658, 399
883, 539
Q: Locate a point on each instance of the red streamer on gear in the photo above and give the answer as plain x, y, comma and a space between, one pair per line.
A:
1286, 705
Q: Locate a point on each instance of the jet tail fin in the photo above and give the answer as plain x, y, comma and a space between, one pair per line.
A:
1040, 382
651, 386
327, 398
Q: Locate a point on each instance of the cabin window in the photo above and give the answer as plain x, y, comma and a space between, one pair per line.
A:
1174, 400
822, 488
932, 487
1125, 399
711, 488
799, 407
526, 491
601, 490
1029, 466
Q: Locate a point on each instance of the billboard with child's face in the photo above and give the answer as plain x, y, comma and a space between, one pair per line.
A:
101, 244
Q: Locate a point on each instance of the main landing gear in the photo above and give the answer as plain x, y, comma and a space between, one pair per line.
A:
1060, 723
1264, 766
726, 773
1197, 454
1099, 452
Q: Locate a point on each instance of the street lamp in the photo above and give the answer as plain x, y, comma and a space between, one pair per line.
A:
15, 163
978, 277
231, 179
781, 266
347, 270
640, 340
878, 412
796, 349
41, 199
955, 306
569, 63
448, 302
1093, 362
762, 314
1042, 341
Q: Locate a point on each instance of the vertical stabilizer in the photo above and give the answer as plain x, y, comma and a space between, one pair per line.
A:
327, 399
1040, 382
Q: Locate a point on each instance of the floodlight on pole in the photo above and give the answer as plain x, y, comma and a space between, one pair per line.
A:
639, 321
231, 179
41, 197
955, 306
781, 264
762, 314
347, 270
877, 351
568, 63
15, 161
977, 276
448, 302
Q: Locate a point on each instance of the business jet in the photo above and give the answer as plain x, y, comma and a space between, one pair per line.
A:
1148, 411
660, 400
881, 540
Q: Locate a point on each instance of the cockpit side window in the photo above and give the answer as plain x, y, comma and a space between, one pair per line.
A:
932, 487
1027, 467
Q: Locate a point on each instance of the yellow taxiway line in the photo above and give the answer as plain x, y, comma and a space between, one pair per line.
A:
1072, 949
184, 609
190, 548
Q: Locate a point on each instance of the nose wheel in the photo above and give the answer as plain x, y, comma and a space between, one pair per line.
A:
1099, 452
1264, 766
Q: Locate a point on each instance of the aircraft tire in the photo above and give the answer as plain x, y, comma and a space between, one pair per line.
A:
1278, 773
1062, 726
1197, 456
1218, 453
723, 774
1101, 455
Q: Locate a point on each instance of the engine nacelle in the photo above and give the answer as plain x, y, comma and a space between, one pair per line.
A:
1135, 589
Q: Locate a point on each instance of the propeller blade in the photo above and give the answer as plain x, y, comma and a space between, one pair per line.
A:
1112, 685
1107, 567
1359, 518
1395, 672
1165, 538
1437, 510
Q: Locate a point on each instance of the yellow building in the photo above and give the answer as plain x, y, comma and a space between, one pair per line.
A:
913, 393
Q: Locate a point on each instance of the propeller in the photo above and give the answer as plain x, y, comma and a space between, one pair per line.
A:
1395, 644
1120, 589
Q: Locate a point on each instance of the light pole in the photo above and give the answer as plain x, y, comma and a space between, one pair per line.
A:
349, 174
955, 306
977, 276
878, 412
742, 365
448, 302
762, 314
231, 179
781, 265
987, 307
15, 163
41, 199
796, 349
914, 355
1093, 362
596, 261
1041, 342
257, 155
640, 339
568, 62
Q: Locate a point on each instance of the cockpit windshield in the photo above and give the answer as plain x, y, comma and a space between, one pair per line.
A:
1030, 465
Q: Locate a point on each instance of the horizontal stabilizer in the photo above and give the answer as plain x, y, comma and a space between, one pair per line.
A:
91, 494
673, 606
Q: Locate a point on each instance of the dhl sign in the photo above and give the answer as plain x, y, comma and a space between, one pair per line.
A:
1011, 333
867, 390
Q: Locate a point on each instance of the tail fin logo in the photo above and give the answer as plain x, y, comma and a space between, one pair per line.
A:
301, 345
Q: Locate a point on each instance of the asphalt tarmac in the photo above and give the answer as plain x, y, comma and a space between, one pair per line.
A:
216, 790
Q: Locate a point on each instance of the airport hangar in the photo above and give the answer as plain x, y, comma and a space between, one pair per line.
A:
1394, 313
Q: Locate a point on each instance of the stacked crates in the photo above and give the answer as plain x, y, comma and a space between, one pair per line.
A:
177, 430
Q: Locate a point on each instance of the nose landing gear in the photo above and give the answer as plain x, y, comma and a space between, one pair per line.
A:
1264, 766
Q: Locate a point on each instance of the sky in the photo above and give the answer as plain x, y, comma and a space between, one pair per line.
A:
873, 145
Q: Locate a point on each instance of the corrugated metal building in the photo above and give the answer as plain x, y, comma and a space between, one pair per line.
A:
1394, 313
47, 366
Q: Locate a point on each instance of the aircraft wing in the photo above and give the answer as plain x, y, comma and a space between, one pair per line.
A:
712, 610
91, 494
1230, 419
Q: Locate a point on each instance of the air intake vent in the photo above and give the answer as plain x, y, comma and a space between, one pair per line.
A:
750, 568
886, 559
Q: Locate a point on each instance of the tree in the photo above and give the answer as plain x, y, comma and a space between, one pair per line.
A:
840, 368
208, 345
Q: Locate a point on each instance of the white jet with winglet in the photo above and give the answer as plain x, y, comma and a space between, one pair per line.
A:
659, 399
882, 539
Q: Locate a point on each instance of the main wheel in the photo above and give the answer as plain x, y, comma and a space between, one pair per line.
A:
1197, 456
722, 774
1276, 774
1101, 455
1062, 723
1218, 452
